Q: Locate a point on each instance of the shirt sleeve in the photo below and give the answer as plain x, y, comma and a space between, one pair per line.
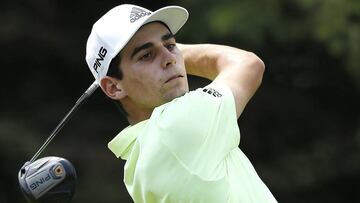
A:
200, 128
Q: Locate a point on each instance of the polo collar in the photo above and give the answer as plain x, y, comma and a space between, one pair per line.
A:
122, 144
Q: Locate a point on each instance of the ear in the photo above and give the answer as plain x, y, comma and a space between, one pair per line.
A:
112, 87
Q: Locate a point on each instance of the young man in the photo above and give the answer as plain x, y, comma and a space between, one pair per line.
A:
180, 146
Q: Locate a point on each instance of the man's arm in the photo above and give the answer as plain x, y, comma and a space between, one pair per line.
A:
240, 70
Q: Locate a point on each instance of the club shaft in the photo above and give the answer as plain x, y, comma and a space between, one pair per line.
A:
67, 117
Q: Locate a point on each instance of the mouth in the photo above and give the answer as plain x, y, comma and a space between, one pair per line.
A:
173, 78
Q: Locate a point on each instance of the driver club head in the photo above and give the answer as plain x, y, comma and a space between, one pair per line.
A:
49, 179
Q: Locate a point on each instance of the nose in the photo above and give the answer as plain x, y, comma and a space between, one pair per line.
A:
168, 58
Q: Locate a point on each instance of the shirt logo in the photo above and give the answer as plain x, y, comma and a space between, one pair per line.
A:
101, 56
212, 92
137, 13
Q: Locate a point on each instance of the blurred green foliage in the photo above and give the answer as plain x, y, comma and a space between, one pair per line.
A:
333, 23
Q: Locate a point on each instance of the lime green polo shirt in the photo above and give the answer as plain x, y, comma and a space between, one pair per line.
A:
187, 151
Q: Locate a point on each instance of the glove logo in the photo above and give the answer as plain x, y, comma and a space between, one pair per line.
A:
137, 13
212, 92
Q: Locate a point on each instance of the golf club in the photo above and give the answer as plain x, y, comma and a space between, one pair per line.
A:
51, 179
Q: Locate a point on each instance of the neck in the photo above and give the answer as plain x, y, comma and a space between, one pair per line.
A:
135, 113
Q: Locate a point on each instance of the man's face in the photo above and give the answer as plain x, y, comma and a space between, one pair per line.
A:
153, 67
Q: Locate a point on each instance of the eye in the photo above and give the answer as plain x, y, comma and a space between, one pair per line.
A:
145, 56
170, 47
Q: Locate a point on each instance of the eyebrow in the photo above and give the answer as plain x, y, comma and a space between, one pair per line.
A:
150, 44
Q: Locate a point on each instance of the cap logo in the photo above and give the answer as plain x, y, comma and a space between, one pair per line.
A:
137, 13
99, 59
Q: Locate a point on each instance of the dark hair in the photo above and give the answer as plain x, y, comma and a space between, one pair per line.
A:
115, 71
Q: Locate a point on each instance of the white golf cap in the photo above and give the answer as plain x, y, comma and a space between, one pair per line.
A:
113, 30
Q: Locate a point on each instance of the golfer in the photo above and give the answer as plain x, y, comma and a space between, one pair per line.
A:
181, 145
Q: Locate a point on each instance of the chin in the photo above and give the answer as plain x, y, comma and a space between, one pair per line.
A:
176, 93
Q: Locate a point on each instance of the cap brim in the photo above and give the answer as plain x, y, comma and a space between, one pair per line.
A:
173, 16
